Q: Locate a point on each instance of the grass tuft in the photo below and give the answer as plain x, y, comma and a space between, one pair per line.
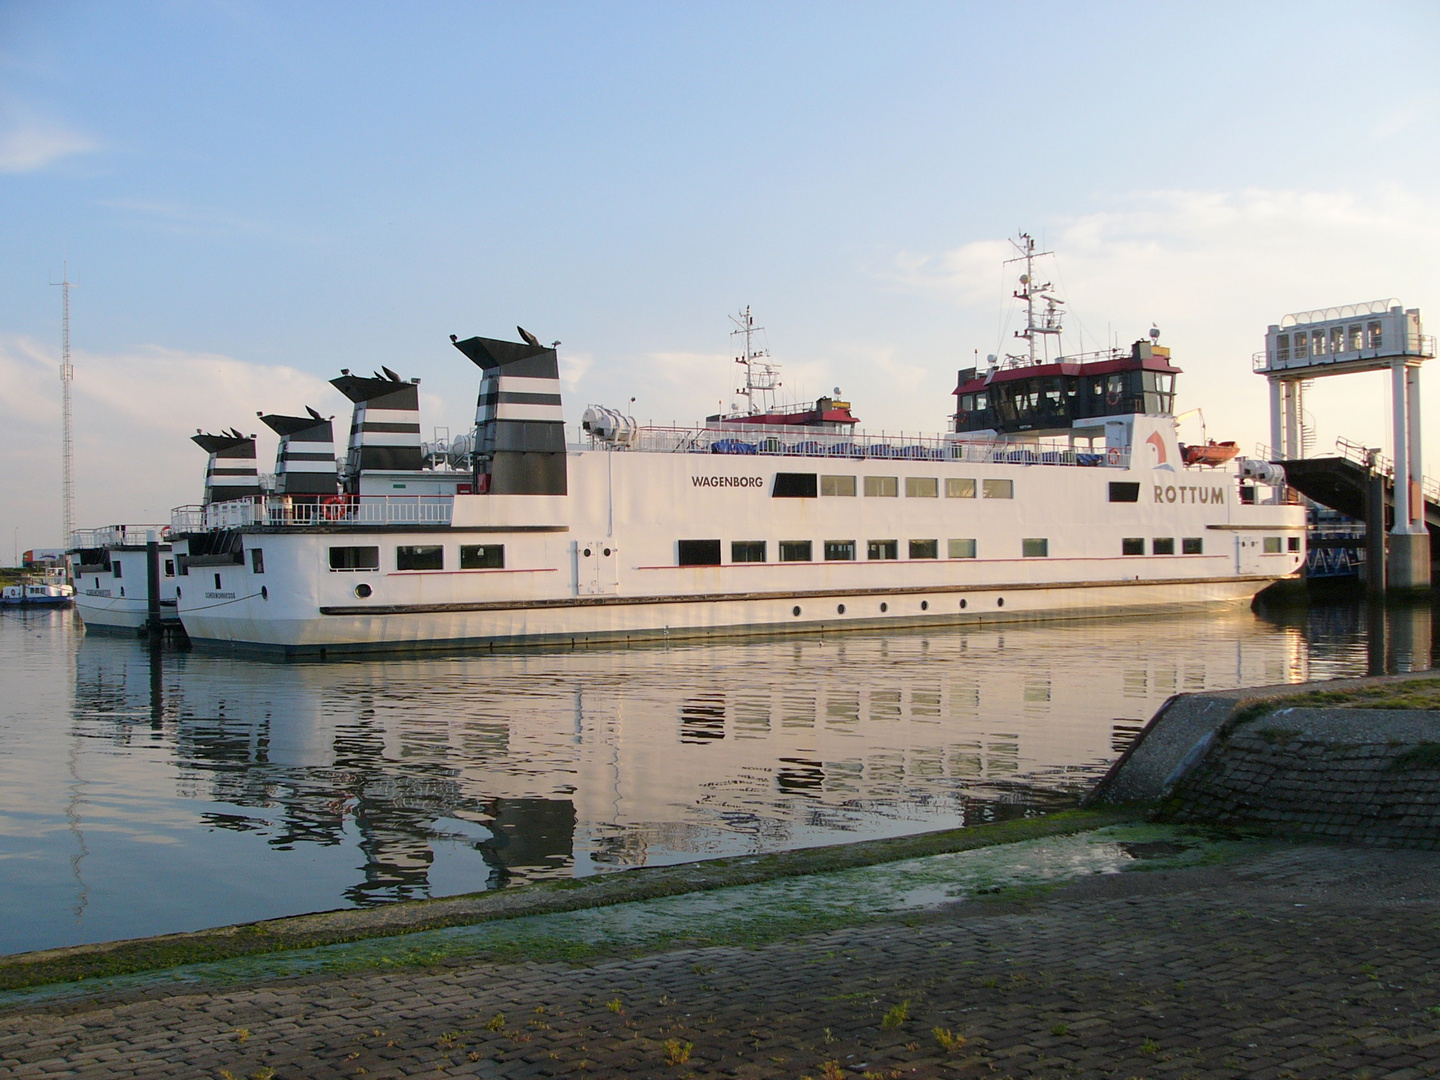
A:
896, 1015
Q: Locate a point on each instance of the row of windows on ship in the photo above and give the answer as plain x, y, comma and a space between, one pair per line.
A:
1327, 342
1143, 391
708, 552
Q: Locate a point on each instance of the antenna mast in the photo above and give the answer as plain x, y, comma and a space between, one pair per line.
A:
1030, 291
67, 376
761, 377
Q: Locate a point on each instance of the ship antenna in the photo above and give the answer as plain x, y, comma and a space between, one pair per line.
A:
761, 376
1048, 322
67, 376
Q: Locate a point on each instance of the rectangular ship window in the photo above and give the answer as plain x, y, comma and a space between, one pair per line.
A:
699, 553
747, 551
837, 485
1124, 491
420, 557
1162, 545
115, 568
924, 549
959, 487
257, 561
998, 489
1302, 345
922, 487
1373, 336
839, 550
1132, 545
961, 549
169, 567
883, 487
1282, 349
1035, 547
1272, 545
793, 485
795, 551
482, 556
880, 549
1192, 545
1292, 543
354, 558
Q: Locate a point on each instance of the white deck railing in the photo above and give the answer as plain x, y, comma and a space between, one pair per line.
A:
779, 441
115, 536
281, 510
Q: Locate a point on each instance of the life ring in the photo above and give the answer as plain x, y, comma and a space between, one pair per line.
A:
332, 507
1113, 455
961, 416
1113, 397
166, 533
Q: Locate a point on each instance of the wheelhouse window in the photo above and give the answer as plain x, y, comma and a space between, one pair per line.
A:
482, 556
1192, 545
1162, 545
922, 487
881, 549
924, 549
1035, 547
354, 558
961, 549
998, 489
839, 550
838, 485
699, 553
1124, 491
795, 551
959, 487
794, 485
882, 487
747, 551
1132, 545
420, 557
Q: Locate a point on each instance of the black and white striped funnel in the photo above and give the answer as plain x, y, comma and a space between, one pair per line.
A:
305, 459
520, 428
231, 472
385, 426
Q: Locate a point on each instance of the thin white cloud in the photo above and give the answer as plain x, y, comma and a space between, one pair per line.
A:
27, 145
134, 414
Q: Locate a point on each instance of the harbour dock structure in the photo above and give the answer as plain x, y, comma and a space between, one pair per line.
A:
1379, 335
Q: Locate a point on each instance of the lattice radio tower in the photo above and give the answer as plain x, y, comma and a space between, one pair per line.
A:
67, 453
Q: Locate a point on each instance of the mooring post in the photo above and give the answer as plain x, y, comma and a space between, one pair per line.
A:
152, 583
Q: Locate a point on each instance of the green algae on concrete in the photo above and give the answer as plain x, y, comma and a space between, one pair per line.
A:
750, 914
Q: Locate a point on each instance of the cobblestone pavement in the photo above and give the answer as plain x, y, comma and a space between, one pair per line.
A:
1300, 962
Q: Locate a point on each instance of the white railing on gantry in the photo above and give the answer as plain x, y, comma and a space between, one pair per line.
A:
282, 511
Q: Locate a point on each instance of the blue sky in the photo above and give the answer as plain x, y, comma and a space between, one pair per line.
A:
252, 196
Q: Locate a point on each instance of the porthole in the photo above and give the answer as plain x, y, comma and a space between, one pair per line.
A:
999, 601
264, 593
607, 553
839, 609
362, 590
178, 593
924, 605
964, 603
795, 610
587, 553
884, 608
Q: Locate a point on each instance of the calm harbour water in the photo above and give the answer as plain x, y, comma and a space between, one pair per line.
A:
147, 792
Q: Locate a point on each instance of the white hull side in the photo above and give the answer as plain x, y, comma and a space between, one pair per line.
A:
680, 620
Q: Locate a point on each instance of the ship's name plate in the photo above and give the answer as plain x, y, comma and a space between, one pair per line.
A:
728, 481
1181, 493
219, 596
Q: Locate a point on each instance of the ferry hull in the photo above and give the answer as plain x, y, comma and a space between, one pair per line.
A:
635, 619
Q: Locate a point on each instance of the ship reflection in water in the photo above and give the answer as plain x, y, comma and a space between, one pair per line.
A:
147, 792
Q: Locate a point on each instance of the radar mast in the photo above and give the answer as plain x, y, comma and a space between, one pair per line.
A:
1041, 326
762, 378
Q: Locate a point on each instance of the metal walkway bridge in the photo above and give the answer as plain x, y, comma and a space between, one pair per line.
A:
1342, 483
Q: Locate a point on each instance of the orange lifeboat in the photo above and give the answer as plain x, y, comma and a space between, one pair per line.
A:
1209, 453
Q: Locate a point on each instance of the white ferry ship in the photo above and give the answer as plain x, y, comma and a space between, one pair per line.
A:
111, 573
1062, 491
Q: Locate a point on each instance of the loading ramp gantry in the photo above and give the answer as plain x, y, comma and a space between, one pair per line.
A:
1376, 336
